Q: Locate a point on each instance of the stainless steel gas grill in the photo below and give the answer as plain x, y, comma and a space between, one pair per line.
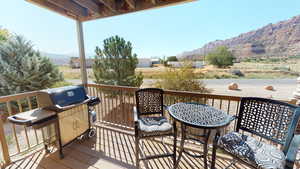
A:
63, 98
69, 108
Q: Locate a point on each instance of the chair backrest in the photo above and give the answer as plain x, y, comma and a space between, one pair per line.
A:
269, 119
149, 101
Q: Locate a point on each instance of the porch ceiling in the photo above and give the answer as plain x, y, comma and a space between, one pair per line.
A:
85, 10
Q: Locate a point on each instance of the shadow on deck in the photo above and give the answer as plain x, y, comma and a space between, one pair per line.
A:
110, 149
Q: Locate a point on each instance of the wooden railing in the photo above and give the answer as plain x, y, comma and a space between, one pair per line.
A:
115, 109
118, 101
17, 140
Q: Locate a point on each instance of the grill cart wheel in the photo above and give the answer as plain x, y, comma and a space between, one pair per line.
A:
92, 133
61, 156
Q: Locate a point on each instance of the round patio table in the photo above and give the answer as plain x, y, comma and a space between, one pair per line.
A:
199, 116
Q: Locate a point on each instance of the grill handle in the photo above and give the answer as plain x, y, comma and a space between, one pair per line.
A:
93, 101
73, 105
19, 121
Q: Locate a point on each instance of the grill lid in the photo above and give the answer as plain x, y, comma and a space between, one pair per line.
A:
62, 97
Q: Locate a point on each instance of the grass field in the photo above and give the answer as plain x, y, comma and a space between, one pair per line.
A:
260, 70
70, 73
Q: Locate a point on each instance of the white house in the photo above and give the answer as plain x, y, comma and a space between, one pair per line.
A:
175, 64
197, 64
155, 61
144, 62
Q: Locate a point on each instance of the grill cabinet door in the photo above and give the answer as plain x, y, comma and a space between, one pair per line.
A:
73, 123
81, 120
67, 127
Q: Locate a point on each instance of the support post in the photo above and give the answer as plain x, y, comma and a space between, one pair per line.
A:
81, 53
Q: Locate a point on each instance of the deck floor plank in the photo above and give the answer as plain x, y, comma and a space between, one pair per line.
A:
111, 149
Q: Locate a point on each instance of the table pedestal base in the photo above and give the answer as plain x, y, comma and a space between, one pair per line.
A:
184, 137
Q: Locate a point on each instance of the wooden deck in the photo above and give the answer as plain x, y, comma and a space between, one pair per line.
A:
110, 149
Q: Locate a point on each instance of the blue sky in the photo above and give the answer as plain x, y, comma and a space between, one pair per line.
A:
159, 32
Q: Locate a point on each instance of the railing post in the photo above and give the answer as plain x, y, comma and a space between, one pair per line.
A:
4, 145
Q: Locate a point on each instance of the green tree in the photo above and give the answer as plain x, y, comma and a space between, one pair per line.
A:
163, 61
4, 35
23, 69
220, 57
172, 59
183, 79
115, 64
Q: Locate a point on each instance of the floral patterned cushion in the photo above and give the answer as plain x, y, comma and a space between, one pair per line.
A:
154, 124
259, 154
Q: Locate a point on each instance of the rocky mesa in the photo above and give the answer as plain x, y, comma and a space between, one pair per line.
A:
279, 40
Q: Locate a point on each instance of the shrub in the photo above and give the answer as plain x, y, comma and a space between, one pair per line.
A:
282, 68
248, 60
238, 73
224, 76
23, 69
183, 79
172, 59
4, 35
115, 64
294, 57
163, 61
61, 84
269, 60
220, 57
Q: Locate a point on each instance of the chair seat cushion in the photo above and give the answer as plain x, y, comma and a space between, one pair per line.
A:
154, 124
257, 153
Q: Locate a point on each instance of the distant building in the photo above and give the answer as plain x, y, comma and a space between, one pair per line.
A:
155, 61
75, 62
197, 64
175, 64
144, 62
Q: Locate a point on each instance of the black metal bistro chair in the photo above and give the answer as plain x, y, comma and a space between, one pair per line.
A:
150, 122
272, 121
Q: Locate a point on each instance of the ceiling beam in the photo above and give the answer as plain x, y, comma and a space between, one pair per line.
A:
70, 6
140, 5
153, 2
110, 4
84, 11
106, 11
90, 5
52, 7
131, 3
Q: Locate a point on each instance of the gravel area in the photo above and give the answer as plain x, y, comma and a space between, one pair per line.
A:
284, 88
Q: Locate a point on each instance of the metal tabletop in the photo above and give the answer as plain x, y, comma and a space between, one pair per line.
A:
199, 115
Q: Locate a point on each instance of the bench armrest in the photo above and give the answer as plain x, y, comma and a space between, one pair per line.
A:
292, 151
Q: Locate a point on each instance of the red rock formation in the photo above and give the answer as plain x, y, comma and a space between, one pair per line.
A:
273, 40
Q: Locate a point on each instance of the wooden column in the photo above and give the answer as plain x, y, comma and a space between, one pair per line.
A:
81, 52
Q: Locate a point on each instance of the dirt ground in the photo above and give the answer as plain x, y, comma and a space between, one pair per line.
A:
283, 88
